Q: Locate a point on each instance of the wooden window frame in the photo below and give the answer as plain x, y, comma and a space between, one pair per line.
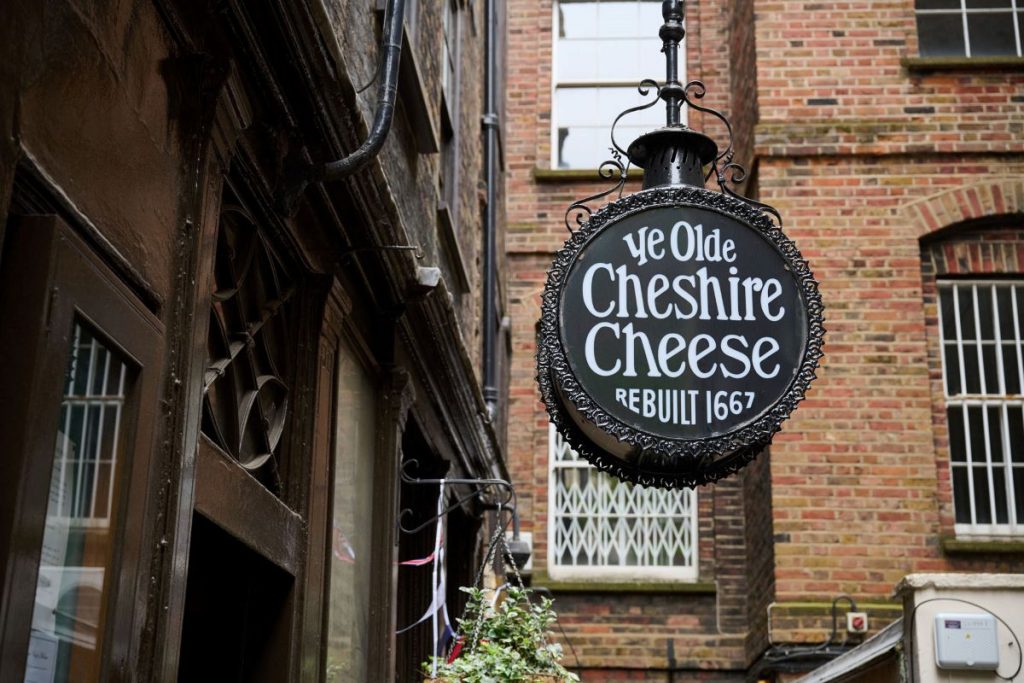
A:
49, 279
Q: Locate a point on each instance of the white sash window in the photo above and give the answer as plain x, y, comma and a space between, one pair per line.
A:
983, 374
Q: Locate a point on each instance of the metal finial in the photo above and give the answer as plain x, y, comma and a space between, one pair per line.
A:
671, 34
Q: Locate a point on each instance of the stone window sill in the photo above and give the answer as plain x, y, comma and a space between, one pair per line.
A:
924, 64
980, 546
542, 580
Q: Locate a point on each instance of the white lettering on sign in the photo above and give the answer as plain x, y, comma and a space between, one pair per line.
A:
624, 340
702, 296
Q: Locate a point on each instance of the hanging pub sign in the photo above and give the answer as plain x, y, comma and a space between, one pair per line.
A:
679, 326
677, 335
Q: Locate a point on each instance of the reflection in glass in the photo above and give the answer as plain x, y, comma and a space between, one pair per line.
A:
349, 589
68, 617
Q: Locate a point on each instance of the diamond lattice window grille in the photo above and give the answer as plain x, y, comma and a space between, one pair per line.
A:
599, 527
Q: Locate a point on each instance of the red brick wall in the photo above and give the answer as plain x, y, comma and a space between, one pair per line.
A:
863, 157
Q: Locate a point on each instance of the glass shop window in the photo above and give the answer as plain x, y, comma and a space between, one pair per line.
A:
981, 327
603, 49
68, 618
602, 528
351, 515
969, 28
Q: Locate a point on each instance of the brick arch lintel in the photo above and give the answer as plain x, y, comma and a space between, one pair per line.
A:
990, 197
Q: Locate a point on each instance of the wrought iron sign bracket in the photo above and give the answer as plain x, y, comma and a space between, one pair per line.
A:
497, 494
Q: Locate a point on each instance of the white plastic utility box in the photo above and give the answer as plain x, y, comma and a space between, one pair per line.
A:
966, 641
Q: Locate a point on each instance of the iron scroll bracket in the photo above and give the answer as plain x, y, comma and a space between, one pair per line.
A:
725, 170
496, 494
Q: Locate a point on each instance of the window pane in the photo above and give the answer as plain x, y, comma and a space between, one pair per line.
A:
999, 493
78, 536
1018, 492
1015, 425
961, 495
351, 540
578, 106
976, 434
577, 60
984, 4
995, 433
965, 301
940, 35
1004, 304
957, 445
988, 357
582, 147
982, 502
986, 313
577, 20
991, 34
1011, 369
952, 367
947, 313
937, 4
972, 373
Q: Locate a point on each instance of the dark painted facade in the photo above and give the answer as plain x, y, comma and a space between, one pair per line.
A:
210, 399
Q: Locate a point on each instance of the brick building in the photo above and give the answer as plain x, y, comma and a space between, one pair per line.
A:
214, 373
890, 136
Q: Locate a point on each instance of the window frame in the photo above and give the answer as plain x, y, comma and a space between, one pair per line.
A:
47, 258
654, 573
1015, 11
985, 400
598, 84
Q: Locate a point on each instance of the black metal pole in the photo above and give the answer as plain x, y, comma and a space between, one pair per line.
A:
490, 125
671, 34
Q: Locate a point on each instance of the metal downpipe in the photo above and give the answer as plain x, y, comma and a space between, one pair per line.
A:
391, 54
490, 126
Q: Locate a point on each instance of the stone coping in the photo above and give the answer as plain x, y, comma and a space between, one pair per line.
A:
959, 581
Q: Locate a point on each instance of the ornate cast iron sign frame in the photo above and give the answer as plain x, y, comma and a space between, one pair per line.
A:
677, 161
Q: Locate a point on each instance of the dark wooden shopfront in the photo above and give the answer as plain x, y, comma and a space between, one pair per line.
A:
209, 400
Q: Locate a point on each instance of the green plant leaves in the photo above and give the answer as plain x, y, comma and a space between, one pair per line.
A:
507, 642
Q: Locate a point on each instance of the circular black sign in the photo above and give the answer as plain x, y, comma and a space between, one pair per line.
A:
679, 329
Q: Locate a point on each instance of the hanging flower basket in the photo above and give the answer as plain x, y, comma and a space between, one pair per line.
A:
502, 643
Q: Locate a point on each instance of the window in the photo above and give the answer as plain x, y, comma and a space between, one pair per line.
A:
76, 473
77, 552
450, 33
602, 528
448, 176
603, 49
981, 327
348, 618
969, 28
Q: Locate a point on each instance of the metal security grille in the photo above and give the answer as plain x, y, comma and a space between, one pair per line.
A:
599, 527
82, 487
983, 373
